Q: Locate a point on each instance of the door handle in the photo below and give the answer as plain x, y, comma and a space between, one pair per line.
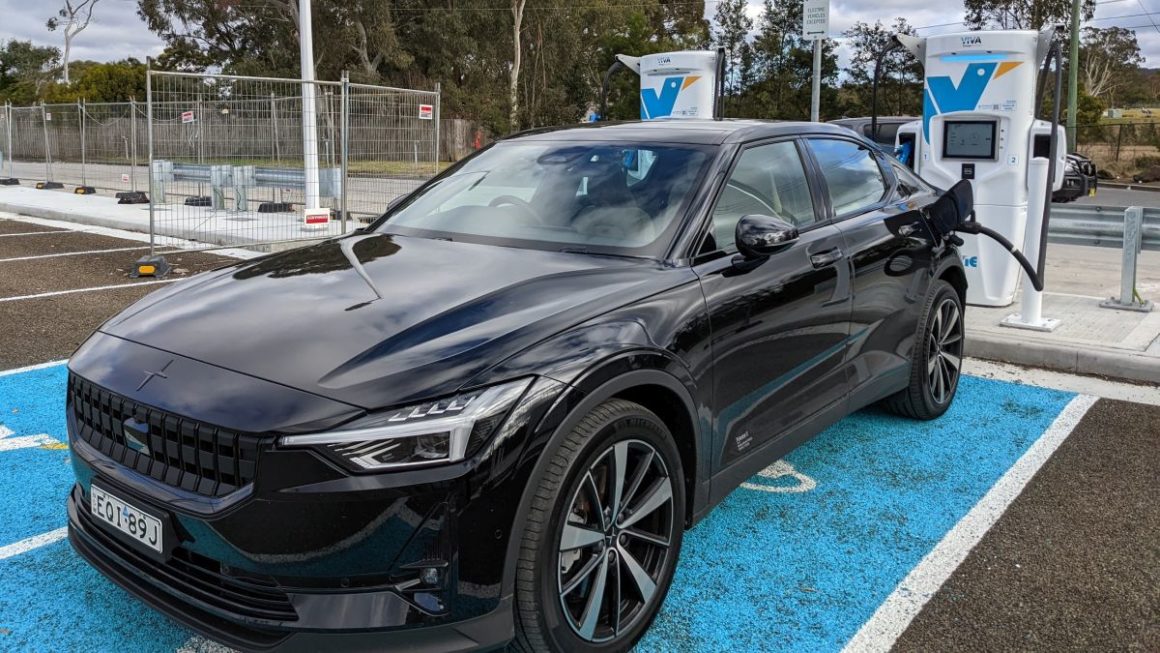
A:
826, 258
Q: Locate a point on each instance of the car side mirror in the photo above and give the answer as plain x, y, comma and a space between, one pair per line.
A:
758, 236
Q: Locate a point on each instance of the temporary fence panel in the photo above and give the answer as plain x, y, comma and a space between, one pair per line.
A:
393, 145
113, 144
226, 160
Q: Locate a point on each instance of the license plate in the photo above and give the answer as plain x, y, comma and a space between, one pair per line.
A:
126, 518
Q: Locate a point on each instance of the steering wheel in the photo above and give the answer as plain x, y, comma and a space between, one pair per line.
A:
512, 200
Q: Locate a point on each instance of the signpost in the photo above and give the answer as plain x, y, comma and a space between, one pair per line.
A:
815, 27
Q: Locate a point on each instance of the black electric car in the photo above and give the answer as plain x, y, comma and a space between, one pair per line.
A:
490, 415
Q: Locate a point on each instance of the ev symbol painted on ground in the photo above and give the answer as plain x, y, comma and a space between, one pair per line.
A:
8, 443
780, 477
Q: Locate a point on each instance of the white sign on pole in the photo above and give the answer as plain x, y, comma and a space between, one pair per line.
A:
186, 117
815, 19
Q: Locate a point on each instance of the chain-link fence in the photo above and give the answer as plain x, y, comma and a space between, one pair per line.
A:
1122, 149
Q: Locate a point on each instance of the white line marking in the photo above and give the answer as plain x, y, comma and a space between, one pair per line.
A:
32, 233
30, 368
34, 542
54, 293
87, 253
892, 618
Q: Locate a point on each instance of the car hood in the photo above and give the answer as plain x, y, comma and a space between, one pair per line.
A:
376, 320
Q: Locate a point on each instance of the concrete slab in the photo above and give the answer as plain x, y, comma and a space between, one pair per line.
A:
199, 224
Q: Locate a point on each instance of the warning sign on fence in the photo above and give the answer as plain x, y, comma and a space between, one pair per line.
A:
47, 117
426, 111
125, 178
186, 117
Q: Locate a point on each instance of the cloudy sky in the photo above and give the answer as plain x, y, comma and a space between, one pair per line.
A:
116, 32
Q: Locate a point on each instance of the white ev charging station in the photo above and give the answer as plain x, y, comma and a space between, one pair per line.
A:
676, 84
978, 124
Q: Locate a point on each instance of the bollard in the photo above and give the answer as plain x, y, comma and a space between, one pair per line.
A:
1030, 315
1133, 241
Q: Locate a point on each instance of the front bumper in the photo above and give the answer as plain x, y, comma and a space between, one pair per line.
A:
208, 596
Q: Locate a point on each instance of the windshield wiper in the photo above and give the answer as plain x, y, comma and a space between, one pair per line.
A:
585, 250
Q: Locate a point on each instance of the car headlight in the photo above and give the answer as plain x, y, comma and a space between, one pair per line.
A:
433, 432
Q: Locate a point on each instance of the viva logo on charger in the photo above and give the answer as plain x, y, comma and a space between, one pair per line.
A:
942, 95
655, 104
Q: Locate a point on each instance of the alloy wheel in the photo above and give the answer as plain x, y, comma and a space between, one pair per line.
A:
616, 541
945, 350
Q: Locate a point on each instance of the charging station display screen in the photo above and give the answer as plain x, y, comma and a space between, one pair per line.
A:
969, 139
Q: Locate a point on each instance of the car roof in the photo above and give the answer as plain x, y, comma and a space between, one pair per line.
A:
689, 131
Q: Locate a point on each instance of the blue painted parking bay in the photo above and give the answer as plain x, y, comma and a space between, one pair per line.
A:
797, 559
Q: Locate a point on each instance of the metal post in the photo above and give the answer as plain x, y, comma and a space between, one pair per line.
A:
47, 153
274, 127
1133, 240
1030, 315
149, 138
309, 109
81, 122
8, 125
133, 145
1072, 76
438, 144
344, 145
816, 91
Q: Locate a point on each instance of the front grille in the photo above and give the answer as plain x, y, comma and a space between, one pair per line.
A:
180, 452
200, 578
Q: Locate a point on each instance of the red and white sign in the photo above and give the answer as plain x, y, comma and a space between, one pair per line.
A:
426, 111
316, 217
186, 117
125, 178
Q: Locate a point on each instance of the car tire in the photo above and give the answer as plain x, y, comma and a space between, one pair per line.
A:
936, 362
574, 549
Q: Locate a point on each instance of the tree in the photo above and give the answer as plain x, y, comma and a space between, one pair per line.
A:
900, 74
1022, 14
25, 70
733, 26
517, 22
74, 17
115, 81
1108, 59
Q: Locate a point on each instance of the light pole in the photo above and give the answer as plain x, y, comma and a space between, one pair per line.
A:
309, 110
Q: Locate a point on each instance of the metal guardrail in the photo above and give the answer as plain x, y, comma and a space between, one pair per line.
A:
240, 179
1102, 226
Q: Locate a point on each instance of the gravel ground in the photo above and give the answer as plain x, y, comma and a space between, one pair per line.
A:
18, 227
1074, 563
69, 241
19, 278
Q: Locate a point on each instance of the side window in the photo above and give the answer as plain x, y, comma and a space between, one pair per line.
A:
852, 174
768, 180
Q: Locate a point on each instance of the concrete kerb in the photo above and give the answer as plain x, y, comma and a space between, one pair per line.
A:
1065, 357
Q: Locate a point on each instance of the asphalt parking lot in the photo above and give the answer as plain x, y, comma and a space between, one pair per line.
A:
1025, 519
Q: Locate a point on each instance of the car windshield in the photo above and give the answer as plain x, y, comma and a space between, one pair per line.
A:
613, 198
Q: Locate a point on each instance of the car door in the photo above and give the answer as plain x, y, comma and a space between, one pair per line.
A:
877, 209
779, 324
